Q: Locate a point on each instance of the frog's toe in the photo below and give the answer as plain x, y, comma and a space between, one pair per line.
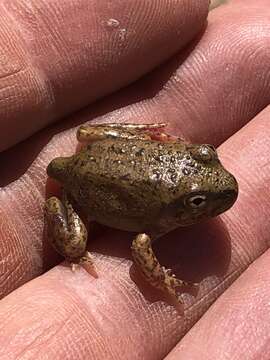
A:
86, 261
168, 272
74, 267
88, 264
86, 258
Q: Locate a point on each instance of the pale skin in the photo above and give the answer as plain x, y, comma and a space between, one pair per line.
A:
210, 94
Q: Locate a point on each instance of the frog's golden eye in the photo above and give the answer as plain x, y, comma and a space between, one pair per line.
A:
197, 201
205, 153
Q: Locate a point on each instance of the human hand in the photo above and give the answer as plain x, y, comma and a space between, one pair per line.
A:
61, 57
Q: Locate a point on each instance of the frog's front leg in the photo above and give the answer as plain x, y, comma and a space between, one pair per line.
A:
157, 275
66, 231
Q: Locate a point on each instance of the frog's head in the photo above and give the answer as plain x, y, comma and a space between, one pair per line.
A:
208, 189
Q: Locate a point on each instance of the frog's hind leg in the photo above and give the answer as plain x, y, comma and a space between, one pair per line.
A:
66, 231
96, 132
157, 275
135, 126
152, 130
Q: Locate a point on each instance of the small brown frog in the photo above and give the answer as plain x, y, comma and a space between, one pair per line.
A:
136, 178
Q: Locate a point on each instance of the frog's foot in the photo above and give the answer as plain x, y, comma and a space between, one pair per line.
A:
157, 275
85, 260
66, 230
95, 132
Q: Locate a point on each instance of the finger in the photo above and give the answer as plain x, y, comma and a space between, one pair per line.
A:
105, 316
63, 55
250, 227
218, 85
63, 314
237, 325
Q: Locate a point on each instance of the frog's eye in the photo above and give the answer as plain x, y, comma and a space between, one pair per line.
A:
197, 201
205, 153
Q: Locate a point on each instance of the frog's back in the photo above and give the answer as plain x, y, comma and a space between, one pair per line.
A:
125, 184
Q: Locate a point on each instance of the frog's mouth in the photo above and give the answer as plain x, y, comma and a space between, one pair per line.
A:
223, 202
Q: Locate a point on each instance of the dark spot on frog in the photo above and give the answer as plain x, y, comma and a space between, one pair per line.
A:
156, 176
140, 152
174, 177
158, 158
117, 150
125, 177
186, 171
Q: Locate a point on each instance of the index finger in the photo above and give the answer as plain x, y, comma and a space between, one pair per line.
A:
64, 54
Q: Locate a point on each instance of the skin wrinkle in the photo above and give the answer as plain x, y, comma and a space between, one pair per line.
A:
249, 188
113, 319
20, 263
70, 298
33, 344
214, 292
12, 267
135, 336
201, 71
21, 228
240, 315
25, 72
133, 298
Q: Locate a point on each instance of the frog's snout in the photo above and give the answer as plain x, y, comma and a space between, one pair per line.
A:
226, 198
57, 168
232, 191
229, 197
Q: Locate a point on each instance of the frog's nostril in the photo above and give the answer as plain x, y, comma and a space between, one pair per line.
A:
229, 193
56, 168
230, 189
229, 197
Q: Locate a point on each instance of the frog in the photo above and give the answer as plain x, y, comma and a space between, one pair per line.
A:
136, 178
